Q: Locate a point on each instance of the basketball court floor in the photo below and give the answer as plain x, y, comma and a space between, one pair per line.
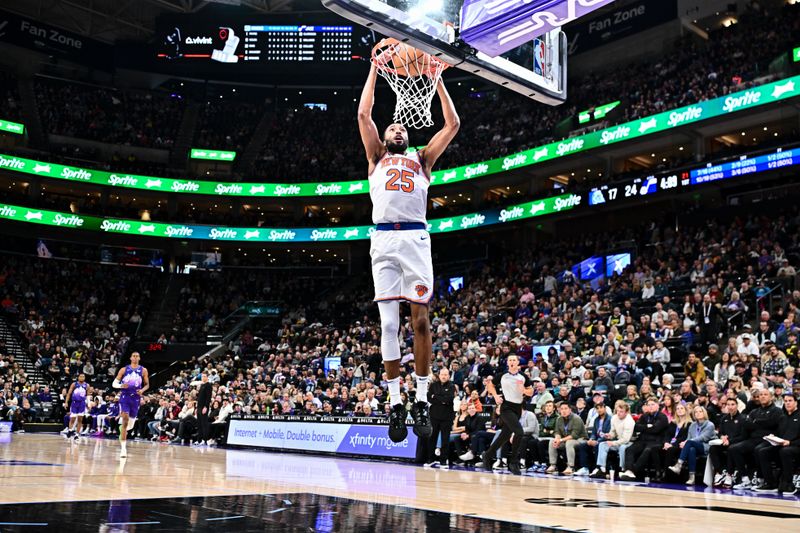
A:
51, 484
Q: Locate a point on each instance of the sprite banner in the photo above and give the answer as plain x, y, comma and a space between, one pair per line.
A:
212, 155
12, 127
536, 208
757, 96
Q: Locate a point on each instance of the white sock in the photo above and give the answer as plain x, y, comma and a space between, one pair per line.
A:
422, 388
394, 391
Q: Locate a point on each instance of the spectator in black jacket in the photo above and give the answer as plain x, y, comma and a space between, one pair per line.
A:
472, 424
731, 431
440, 396
650, 428
787, 453
577, 391
758, 423
203, 408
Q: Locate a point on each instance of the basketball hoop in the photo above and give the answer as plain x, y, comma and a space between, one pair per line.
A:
413, 76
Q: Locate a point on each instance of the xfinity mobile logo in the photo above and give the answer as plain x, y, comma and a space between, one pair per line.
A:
472, 220
232, 188
514, 161
225, 233
283, 235
511, 214
73, 221
614, 135
328, 189
199, 40
178, 231
128, 181
569, 202
679, 117
287, 190
326, 234
189, 186
476, 170
12, 163
572, 146
119, 225
76, 174
732, 103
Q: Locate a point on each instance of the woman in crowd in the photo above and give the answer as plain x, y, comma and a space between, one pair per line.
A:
677, 433
700, 434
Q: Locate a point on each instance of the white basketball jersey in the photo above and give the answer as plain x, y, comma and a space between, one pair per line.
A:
398, 188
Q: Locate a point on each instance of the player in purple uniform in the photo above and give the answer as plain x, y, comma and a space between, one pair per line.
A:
133, 380
76, 403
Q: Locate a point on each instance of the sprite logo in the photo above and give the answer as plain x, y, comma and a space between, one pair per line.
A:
283, 235
510, 214
76, 174
232, 188
225, 233
571, 146
73, 221
614, 135
679, 117
471, 221
732, 103
476, 170
119, 225
514, 161
178, 231
569, 202
11, 163
189, 186
325, 234
286, 190
128, 181
7, 211
328, 189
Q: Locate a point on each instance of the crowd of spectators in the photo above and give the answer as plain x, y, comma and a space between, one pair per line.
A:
313, 145
9, 96
71, 317
147, 119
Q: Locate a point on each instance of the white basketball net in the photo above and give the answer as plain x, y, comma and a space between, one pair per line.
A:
414, 91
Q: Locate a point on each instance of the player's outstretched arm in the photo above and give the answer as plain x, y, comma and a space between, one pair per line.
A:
366, 126
440, 141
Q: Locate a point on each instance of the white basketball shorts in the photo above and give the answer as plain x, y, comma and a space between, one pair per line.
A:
402, 268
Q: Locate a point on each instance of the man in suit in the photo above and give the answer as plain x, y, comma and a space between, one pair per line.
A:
203, 407
440, 397
650, 429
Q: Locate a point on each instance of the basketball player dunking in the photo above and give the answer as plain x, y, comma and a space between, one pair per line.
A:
400, 250
133, 380
76, 403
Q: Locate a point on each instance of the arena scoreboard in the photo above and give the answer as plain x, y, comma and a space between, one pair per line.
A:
232, 42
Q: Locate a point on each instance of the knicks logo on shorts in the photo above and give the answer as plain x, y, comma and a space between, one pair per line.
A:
422, 290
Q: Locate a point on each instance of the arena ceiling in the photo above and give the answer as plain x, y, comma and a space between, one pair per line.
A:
114, 20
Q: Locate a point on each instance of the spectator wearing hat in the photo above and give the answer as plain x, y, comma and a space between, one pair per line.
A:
576, 391
694, 369
747, 348
774, 362
712, 358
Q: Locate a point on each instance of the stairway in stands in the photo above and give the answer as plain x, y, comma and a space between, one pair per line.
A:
244, 163
14, 347
37, 134
183, 141
159, 319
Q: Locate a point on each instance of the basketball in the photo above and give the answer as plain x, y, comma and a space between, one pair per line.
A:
404, 59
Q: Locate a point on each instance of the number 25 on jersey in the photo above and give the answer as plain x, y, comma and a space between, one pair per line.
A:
405, 177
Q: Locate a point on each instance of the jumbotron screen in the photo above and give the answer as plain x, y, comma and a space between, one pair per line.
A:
252, 42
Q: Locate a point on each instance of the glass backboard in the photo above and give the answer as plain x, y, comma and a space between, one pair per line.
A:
536, 69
